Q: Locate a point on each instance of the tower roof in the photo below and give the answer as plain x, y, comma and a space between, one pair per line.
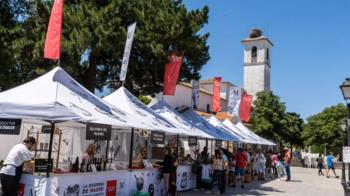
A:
256, 35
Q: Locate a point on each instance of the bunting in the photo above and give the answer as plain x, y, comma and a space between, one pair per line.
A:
171, 74
216, 95
246, 102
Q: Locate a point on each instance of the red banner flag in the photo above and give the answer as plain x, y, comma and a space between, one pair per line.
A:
53, 37
216, 107
171, 74
246, 102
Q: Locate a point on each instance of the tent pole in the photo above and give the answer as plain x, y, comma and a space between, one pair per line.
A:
177, 145
131, 147
106, 159
206, 143
49, 164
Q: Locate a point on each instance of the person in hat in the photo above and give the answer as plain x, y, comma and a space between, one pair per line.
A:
11, 170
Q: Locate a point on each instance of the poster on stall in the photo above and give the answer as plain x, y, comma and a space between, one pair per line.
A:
346, 154
185, 179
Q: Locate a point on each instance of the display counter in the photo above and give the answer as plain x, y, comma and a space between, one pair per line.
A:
108, 183
122, 182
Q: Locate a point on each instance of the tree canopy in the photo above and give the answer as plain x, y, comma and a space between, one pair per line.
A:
323, 129
271, 120
93, 40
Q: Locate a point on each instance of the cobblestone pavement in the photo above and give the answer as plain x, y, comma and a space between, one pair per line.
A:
305, 181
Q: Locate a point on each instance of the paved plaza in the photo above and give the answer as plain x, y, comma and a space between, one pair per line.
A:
305, 181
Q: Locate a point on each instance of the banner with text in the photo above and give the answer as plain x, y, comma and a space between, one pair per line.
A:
234, 100
195, 94
126, 56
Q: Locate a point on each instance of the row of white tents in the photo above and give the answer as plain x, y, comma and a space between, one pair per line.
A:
57, 98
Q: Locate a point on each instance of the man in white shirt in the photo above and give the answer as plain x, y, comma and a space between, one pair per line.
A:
11, 170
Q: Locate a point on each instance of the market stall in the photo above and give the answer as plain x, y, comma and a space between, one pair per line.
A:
65, 117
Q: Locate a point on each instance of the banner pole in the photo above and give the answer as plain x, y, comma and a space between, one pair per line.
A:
177, 145
49, 165
131, 148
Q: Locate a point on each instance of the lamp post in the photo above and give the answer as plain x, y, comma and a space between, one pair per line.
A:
345, 88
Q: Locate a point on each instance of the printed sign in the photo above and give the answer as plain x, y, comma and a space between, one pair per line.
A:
46, 129
185, 180
96, 131
195, 94
10, 126
346, 154
40, 165
218, 143
157, 137
192, 141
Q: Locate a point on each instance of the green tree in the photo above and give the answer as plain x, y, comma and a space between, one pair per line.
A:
268, 116
93, 40
294, 128
323, 129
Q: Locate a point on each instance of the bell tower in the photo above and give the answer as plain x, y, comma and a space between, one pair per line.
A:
256, 64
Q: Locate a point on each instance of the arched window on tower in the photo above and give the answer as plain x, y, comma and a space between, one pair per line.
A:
254, 54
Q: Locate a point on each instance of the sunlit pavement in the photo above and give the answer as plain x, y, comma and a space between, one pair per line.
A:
305, 181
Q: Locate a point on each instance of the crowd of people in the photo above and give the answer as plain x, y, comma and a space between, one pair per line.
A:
229, 168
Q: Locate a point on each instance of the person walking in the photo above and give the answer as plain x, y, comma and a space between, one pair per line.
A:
198, 165
11, 170
330, 165
241, 164
268, 164
280, 167
287, 163
320, 164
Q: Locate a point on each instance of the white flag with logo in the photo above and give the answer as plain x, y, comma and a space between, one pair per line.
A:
234, 100
128, 44
195, 94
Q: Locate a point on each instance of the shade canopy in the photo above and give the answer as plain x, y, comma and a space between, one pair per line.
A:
177, 119
261, 140
126, 101
202, 124
56, 96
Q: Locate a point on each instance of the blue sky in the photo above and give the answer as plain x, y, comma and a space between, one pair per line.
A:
311, 53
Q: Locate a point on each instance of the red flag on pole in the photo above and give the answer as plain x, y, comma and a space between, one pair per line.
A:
246, 102
216, 107
171, 74
53, 37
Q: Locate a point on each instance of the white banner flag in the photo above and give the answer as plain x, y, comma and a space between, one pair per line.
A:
234, 99
128, 44
195, 94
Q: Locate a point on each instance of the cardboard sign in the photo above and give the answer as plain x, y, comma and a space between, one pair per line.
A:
218, 143
157, 137
40, 165
192, 141
10, 126
96, 131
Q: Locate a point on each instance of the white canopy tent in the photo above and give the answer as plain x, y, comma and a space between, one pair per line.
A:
123, 99
261, 140
202, 124
246, 137
177, 119
56, 96
218, 124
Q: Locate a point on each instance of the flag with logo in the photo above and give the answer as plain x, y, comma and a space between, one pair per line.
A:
246, 102
52, 48
171, 74
126, 56
216, 95
234, 100
195, 93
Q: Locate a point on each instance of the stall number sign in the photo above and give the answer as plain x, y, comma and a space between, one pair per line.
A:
218, 143
157, 137
192, 141
41, 165
346, 154
96, 131
46, 129
10, 126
